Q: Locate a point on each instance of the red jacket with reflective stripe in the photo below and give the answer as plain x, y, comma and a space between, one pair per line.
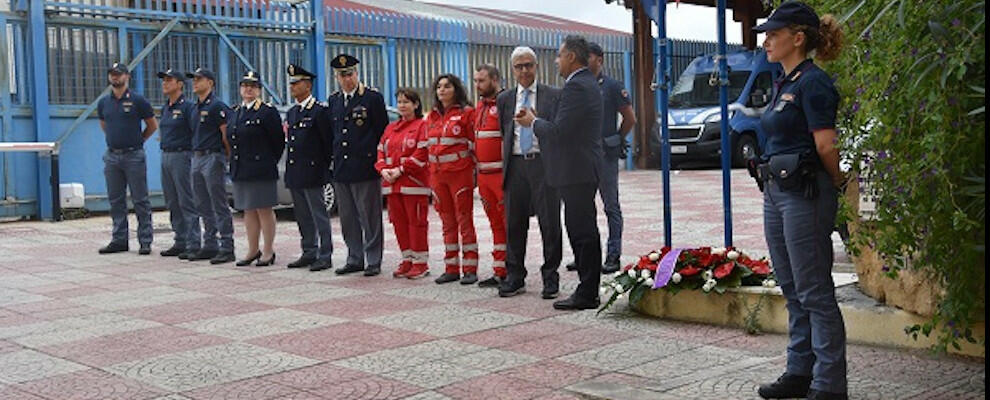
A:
451, 139
403, 145
488, 137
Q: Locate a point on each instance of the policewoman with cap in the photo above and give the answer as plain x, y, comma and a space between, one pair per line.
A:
121, 113
359, 120
210, 150
307, 170
256, 139
800, 171
178, 120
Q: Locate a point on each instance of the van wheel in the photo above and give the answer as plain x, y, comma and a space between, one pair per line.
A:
330, 199
745, 149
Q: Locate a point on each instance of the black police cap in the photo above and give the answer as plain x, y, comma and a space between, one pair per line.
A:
344, 62
118, 68
297, 73
251, 78
173, 74
202, 73
790, 13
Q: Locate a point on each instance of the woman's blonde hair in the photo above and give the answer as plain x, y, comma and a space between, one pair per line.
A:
825, 40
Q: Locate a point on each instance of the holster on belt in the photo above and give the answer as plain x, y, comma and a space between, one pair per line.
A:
752, 165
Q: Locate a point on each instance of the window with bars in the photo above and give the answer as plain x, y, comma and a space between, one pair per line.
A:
78, 58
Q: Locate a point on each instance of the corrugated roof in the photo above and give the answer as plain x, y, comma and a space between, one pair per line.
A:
473, 14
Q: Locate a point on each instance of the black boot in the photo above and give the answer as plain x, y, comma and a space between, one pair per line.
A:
786, 387
611, 265
816, 395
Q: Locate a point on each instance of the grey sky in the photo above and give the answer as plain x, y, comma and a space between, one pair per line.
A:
683, 21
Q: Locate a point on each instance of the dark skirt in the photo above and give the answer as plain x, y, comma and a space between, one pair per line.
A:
249, 195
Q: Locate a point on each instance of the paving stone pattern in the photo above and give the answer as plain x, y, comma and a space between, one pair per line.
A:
77, 325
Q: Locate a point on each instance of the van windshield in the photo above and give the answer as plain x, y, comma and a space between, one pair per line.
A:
693, 90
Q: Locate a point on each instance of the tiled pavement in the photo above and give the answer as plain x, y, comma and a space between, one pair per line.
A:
76, 325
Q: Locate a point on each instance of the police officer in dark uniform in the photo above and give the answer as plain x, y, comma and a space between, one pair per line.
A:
208, 168
800, 174
359, 120
121, 113
256, 143
615, 102
178, 120
307, 170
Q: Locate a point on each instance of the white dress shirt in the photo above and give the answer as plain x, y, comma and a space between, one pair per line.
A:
516, 150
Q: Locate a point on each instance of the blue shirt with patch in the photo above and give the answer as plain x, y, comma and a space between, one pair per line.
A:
178, 122
211, 113
123, 117
804, 101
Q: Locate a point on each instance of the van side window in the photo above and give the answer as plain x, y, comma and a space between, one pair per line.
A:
764, 84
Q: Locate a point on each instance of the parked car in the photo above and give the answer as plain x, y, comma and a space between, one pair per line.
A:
285, 197
695, 113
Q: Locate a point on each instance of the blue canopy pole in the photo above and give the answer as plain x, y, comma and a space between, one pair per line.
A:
723, 100
662, 84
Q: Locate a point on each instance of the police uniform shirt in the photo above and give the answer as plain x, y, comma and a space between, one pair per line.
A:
357, 130
310, 145
211, 114
123, 117
614, 98
177, 124
804, 101
256, 141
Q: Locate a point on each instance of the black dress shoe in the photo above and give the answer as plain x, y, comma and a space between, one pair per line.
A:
225, 257
549, 294
172, 252
786, 387
494, 281
265, 263
373, 269
469, 279
572, 266
145, 250
446, 278
302, 262
186, 254
817, 395
321, 265
203, 255
247, 261
574, 303
509, 289
349, 269
113, 248
611, 265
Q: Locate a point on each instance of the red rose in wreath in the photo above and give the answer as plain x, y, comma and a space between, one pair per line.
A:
724, 270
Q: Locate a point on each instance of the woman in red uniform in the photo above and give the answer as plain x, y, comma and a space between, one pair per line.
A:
402, 158
450, 134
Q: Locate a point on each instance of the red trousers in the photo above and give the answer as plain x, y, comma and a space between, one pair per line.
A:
492, 197
407, 213
454, 202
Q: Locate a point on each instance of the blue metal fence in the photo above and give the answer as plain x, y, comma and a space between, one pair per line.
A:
80, 38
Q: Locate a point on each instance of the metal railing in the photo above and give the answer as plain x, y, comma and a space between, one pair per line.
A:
42, 148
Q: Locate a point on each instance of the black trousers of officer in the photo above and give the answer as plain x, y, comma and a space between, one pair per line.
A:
526, 192
581, 219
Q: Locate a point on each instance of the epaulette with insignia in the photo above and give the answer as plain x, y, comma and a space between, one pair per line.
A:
372, 88
336, 93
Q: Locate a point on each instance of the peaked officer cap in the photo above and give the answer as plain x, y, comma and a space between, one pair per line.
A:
297, 73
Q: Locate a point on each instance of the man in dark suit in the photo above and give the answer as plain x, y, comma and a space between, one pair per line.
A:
524, 183
572, 148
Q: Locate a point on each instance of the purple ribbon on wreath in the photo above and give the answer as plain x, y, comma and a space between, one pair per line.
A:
666, 268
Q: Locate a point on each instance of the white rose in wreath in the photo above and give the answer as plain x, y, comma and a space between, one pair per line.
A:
706, 276
654, 256
709, 285
676, 278
732, 255
769, 283
644, 273
718, 251
632, 273
649, 282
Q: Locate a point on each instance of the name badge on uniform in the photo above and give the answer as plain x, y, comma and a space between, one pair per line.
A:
176, 113
785, 98
202, 116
